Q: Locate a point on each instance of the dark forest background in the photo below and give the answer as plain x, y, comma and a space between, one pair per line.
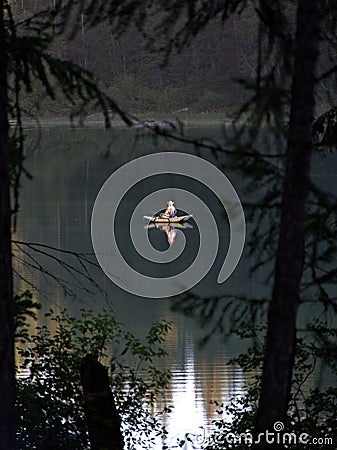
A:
204, 77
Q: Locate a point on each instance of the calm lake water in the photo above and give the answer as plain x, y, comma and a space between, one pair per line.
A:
69, 167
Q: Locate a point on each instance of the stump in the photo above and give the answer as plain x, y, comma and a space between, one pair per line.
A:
104, 424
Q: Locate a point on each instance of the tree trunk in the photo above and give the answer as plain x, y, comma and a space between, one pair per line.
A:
103, 421
281, 334
7, 374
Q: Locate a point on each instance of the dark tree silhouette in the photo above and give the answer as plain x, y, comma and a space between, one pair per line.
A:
281, 336
29, 58
7, 380
104, 423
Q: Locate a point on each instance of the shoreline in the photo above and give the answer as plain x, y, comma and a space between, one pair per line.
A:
145, 120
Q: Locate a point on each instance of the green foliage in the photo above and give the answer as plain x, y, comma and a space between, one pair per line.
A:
76, 84
117, 46
131, 94
24, 308
312, 410
325, 130
209, 48
50, 399
16, 167
209, 101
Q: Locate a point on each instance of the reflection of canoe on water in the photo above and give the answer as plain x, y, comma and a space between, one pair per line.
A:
179, 219
183, 225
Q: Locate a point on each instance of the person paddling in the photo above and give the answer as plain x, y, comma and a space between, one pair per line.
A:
170, 211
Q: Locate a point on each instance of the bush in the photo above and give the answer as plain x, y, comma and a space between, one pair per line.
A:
209, 101
50, 404
312, 411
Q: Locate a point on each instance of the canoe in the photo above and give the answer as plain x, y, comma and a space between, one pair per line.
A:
177, 219
163, 226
